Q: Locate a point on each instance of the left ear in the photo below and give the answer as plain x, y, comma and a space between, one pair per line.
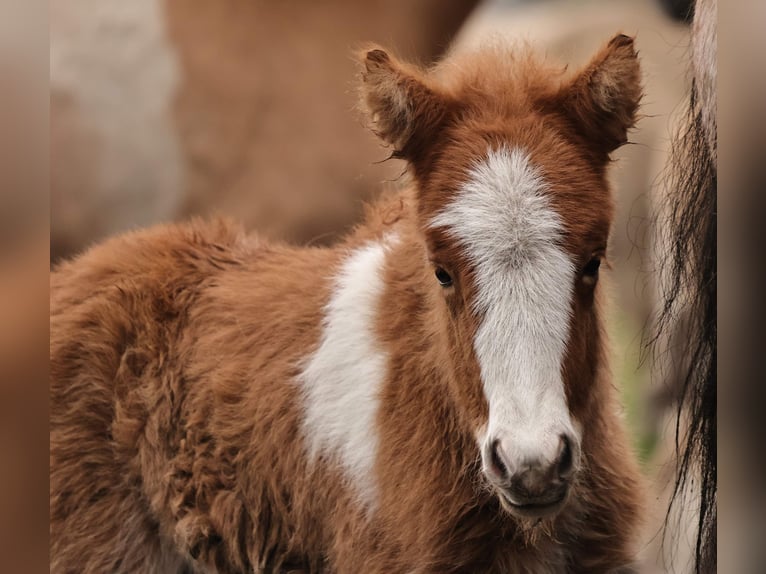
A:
603, 98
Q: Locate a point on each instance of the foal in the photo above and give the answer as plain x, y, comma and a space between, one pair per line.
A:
431, 395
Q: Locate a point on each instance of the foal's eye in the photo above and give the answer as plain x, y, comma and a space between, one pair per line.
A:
590, 271
444, 278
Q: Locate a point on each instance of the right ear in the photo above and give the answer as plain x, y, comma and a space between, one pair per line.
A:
403, 110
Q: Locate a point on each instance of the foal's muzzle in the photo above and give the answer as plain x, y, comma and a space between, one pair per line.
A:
531, 487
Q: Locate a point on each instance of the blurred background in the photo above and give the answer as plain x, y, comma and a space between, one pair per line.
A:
135, 112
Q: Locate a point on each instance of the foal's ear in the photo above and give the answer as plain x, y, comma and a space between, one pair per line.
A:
603, 98
403, 110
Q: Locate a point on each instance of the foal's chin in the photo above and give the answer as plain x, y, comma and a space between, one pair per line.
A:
534, 512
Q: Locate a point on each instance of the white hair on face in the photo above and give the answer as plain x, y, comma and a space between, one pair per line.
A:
503, 220
341, 380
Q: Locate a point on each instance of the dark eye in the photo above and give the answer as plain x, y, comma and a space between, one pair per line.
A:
590, 271
444, 278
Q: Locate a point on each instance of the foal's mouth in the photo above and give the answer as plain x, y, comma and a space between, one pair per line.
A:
532, 508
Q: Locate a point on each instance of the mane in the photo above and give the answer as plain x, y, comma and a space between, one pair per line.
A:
689, 293
497, 66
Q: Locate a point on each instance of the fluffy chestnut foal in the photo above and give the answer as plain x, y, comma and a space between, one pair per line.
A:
430, 395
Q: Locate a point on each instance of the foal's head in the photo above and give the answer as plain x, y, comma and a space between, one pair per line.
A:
509, 160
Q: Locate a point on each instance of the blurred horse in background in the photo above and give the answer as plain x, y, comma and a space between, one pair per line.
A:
162, 109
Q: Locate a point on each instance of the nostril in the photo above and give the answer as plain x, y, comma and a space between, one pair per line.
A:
497, 461
566, 459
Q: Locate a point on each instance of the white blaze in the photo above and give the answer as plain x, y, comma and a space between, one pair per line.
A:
505, 223
342, 379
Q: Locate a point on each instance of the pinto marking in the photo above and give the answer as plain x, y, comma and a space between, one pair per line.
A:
342, 378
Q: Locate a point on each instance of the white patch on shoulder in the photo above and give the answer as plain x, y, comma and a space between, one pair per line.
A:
511, 234
341, 380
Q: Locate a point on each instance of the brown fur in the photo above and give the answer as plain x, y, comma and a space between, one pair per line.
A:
175, 424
